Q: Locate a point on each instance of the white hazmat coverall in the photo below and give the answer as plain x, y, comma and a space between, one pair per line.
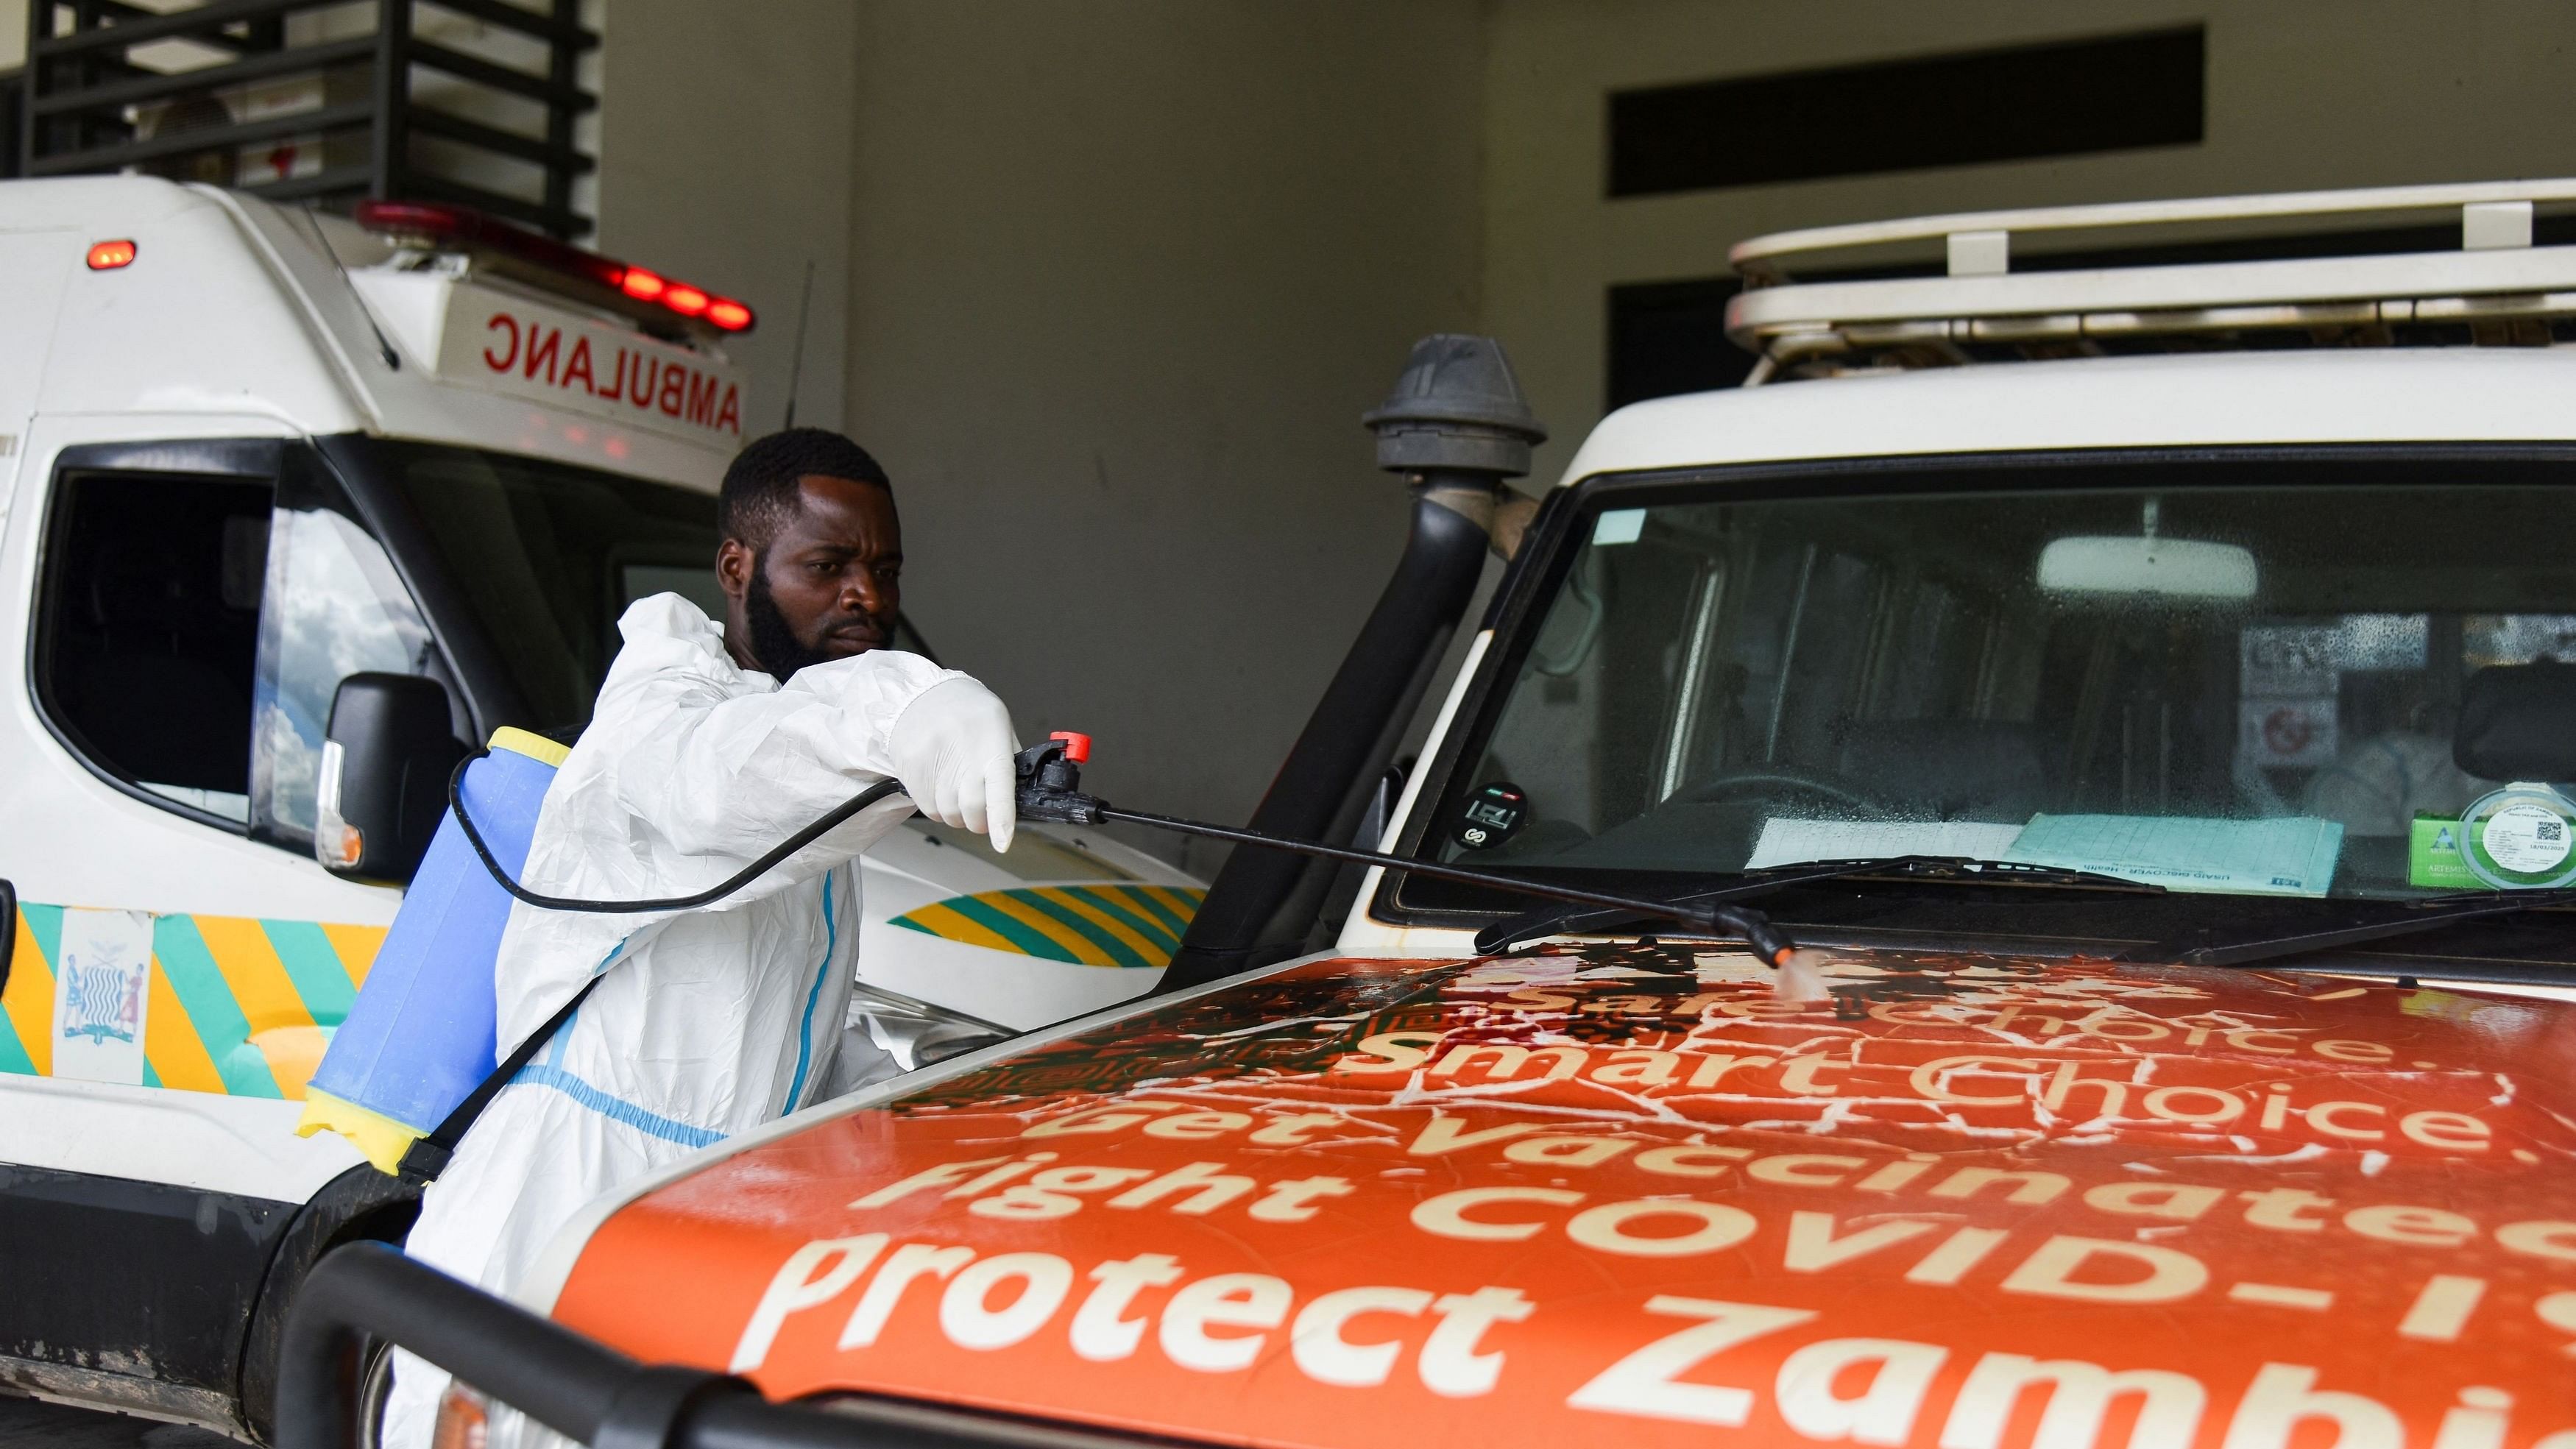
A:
712, 1021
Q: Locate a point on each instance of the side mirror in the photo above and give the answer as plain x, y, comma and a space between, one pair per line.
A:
386, 756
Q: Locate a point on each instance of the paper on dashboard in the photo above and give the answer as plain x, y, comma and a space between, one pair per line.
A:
1791, 842
2287, 856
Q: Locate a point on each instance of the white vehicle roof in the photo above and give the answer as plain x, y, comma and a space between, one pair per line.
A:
2411, 395
234, 307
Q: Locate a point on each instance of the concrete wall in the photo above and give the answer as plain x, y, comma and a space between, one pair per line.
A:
2313, 94
1123, 276
725, 158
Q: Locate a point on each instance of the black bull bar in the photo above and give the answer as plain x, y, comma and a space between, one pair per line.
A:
579, 1388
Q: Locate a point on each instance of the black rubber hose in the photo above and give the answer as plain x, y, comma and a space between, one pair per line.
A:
749, 873
1756, 929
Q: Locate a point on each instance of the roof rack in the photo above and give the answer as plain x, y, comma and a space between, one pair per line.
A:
2496, 288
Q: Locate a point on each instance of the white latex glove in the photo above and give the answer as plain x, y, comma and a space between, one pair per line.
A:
952, 748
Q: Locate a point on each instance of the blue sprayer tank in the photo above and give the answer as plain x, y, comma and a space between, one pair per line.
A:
419, 1038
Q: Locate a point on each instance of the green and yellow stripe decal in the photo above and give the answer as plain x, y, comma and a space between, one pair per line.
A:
1084, 925
236, 1005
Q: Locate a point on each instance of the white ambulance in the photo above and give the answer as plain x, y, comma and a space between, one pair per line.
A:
246, 452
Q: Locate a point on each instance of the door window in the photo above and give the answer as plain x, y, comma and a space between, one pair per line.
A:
148, 623
334, 607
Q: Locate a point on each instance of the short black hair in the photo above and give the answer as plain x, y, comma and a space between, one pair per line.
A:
759, 491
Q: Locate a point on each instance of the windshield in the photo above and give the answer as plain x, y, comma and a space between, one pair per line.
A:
2253, 676
548, 555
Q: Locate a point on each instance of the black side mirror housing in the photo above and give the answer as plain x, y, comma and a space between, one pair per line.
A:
386, 758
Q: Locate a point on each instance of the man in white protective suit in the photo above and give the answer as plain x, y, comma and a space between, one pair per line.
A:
709, 746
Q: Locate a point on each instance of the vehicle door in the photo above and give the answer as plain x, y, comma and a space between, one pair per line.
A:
183, 607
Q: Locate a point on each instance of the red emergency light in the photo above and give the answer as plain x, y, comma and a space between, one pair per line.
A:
107, 256
457, 228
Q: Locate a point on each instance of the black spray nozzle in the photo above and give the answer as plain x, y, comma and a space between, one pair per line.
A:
1050, 781
1768, 941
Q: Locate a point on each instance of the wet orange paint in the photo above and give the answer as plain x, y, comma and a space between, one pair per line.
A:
1630, 1198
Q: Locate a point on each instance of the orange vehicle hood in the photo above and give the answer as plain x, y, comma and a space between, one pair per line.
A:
1634, 1197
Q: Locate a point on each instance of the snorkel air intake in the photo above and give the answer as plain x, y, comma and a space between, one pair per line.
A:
1455, 428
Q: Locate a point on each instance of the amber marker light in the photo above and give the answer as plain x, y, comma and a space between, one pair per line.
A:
107, 256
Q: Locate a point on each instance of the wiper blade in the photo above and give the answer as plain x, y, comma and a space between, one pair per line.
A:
1956, 867
2431, 913
1557, 920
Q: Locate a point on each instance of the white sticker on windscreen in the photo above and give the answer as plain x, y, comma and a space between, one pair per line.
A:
1619, 525
2526, 839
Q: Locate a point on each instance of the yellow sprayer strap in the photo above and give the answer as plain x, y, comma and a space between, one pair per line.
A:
534, 746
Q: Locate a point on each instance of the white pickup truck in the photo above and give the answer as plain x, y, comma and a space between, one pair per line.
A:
2164, 757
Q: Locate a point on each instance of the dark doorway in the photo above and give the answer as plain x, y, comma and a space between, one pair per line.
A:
1967, 108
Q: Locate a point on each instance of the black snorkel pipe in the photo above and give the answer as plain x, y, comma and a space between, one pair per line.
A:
1455, 428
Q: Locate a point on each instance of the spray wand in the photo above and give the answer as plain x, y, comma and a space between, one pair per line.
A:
1050, 775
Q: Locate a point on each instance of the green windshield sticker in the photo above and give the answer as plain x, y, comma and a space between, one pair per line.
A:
2433, 855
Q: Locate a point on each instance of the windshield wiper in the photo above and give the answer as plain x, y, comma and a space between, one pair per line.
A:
1557, 920
2430, 913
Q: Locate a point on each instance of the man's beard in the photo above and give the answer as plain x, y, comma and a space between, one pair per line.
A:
772, 642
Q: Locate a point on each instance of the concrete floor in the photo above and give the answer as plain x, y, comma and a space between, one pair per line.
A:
32, 1424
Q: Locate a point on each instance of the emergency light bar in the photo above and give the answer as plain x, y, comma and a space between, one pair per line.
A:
457, 228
